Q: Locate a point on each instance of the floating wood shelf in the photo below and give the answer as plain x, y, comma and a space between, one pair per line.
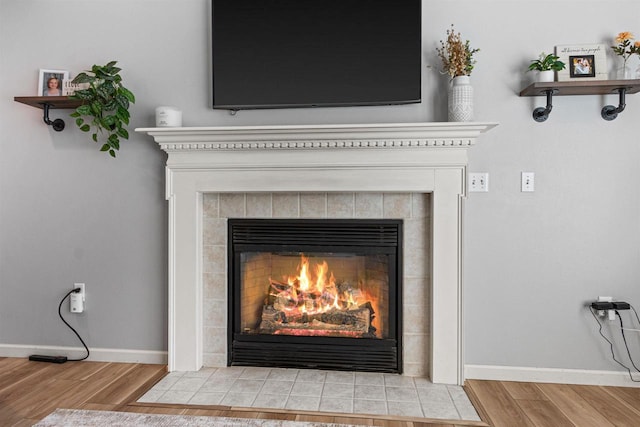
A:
48, 102
590, 87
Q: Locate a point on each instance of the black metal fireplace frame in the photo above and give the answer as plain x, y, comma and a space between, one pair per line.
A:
365, 236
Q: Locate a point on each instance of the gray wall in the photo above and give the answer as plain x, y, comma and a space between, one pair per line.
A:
69, 213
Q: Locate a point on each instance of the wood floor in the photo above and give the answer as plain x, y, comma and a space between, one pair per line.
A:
31, 390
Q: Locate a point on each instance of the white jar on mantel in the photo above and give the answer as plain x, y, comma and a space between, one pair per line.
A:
461, 99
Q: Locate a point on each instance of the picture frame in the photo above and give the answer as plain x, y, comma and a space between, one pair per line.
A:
582, 62
582, 66
53, 78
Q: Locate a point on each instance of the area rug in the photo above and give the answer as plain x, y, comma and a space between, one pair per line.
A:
83, 418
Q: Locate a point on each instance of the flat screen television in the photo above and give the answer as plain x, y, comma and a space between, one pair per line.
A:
312, 53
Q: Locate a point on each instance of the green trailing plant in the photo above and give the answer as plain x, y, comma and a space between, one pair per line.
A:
105, 106
546, 63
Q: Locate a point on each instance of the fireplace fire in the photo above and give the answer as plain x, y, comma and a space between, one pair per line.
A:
315, 303
315, 293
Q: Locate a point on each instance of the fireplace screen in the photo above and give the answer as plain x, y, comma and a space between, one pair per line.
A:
314, 293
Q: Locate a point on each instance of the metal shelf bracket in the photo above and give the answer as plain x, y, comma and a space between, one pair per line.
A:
609, 112
57, 124
542, 114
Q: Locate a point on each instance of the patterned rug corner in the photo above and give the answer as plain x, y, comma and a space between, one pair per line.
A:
86, 418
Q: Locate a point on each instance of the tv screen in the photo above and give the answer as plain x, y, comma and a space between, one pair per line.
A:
308, 53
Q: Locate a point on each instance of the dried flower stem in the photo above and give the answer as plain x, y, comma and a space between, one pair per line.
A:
457, 57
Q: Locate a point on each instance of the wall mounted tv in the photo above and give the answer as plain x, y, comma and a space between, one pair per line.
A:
312, 53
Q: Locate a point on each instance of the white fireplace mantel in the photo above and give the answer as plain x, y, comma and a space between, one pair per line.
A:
400, 157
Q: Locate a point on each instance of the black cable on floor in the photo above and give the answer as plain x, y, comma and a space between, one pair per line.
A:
70, 327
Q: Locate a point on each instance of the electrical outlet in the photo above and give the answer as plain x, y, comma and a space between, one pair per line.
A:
479, 182
611, 314
77, 299
528, 182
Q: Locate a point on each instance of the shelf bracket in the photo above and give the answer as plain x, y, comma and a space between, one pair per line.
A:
541, 114
58, 124
609, 112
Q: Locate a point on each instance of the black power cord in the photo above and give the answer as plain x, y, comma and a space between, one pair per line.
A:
70, 327
625, 341
613, 355
62, 359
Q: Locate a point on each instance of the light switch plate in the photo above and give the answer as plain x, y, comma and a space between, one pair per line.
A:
479, 182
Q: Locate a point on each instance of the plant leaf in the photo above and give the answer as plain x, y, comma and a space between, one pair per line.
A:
110, 105
82, 78
128, 94
123, 115
123, 101
122, 132
83, 94
108, 121
84, 110
85, 128
96, 108
105, 147
112, 153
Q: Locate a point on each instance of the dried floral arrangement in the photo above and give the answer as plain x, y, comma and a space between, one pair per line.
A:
456, 55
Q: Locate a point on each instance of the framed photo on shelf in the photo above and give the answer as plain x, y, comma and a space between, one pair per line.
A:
583, 62
50, 82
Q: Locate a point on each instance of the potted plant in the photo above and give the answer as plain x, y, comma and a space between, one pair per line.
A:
546, 65
105, 107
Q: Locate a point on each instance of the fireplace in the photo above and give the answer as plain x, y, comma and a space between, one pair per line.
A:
416, 158
315, 293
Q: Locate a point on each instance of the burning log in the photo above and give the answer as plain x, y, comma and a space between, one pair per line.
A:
317, 305
357, 320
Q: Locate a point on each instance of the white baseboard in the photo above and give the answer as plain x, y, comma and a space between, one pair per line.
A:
96, 354
550, 375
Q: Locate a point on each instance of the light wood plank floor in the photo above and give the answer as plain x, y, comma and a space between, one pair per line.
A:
31, 390
511, 404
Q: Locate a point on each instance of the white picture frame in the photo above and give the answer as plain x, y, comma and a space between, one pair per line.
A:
583, 62
46, 76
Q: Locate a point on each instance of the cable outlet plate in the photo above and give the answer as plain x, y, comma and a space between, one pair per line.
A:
77, 299
479, 182
528, 182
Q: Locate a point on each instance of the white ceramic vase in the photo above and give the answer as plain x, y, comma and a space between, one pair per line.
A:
461, 99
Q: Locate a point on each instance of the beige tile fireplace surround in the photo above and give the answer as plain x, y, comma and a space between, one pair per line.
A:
413, 171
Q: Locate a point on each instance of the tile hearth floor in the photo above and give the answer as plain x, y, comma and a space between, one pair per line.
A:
314, 390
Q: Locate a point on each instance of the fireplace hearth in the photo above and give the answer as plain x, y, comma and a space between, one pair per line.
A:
315, 293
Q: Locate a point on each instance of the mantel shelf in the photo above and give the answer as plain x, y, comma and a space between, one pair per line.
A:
46, 103
589, 87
